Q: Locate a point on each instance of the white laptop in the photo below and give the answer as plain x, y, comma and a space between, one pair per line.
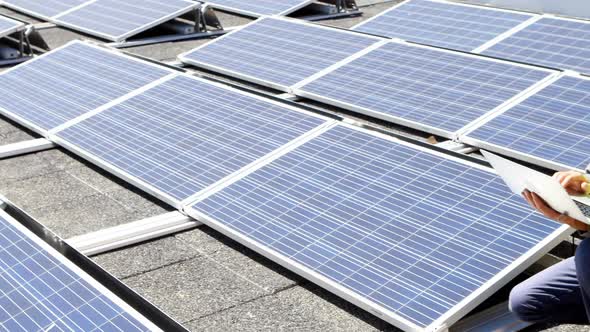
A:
519, 178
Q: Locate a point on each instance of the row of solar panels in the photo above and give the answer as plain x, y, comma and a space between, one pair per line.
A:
41, 290
416, 237
537, 39
532, 113
109, 19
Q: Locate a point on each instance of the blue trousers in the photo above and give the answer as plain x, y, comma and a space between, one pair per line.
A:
559, 294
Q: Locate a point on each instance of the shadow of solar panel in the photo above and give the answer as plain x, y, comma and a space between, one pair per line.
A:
278, 52
68, 82
443, 24
185, 134
425, 88
260, 7
8, 26
412, 236
40, 290
552, 42
549, 128
117, 20
45, 8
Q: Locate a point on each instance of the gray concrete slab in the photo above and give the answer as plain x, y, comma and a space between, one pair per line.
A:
293, 309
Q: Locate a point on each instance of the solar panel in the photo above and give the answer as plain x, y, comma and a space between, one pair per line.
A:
429, 89
40, 290
260, 7
552, 42
186, 134
277, 52
549, 128
443, 24
118, 20
8, 26
45, 8
411, 236
63, 84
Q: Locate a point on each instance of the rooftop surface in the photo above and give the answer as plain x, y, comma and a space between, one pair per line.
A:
201, 278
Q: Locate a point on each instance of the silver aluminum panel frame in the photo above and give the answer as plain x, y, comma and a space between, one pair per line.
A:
145, 186
45, 132
249, 78
79, 272
300, 91
441, 324
19, 26
253, 14
56, 19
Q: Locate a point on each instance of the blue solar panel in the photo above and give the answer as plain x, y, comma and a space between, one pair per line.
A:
278, 52
69, 82
421, 86
117, 20
552, 125
552, 42
404, 229
443, 24
45, 8
41, 291
185, 134
8, 26
260, 7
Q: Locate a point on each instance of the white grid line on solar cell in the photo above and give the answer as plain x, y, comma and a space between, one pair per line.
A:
549, 128
117, 21
551, 41
185, 134
9, 26
433, 90
43, 9
349, 199
40, 289
60, 85
444, 24
260, 7
278, 52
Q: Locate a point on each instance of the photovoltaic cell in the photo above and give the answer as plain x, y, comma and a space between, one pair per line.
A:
45, 8
185, 134
260, 7
117, 20
552, 42
422, 86
404, 229
278, 52
443, 24
551, 125
69, 82
40, 290
8, 26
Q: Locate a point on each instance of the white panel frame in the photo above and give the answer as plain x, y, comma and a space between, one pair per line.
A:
250, 78
74, 268
45, 132
253, 14
300, 91
441, 324
120, 38
18, 26
145, 186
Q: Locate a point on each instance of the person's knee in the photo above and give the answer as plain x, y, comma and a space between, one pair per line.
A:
582, 261
526, 306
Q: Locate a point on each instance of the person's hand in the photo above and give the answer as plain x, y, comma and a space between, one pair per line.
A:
540, 205
575, 183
